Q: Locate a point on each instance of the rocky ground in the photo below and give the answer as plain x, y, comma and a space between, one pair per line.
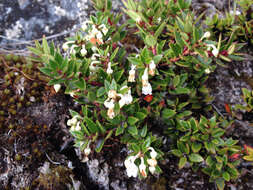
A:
36, 149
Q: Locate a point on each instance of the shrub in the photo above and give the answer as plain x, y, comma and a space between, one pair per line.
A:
123, 90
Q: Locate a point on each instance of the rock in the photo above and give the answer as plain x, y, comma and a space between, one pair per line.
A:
23, 3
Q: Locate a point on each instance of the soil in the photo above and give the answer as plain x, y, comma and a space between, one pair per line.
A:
36, 148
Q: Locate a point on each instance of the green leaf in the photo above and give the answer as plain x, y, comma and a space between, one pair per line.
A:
143, 131
81, 84
132, 130
113, 85
226, 176
181, 91
150, 40
120, 130
160, 29
182, 162
102, 128
99, 145
167, 113
93, 128
196, 147
118, 75
183, 147
132, 120
141, 115
196, 158
220, 183
176, 152
100, 91
217, 132
176, 80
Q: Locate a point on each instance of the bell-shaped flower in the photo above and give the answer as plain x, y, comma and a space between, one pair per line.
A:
132, 169
142, 168
109, 69
57, 87
73, 121
147, 89
65, 46
152, 67
83, 51
87, 150
112, 94
93, 66
72, 49
215, 51
126, 98
152, 162
153, 153
151, 169
84, 25
104, 29
109, 103
131, 77
206, 35
144, 77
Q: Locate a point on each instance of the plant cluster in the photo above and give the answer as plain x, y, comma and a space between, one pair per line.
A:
238, 20
121, 92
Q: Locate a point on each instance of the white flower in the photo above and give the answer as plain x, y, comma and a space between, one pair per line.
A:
93, 66
126, 98
151, 169
109, 103
112, 94
132, 169
72, 49
87, 151
78, 127
152, 162
145, 77
234, 13
138, 19
153, 153
110, 113
109, 69
94, 31
159, 20
147, 89
142, 168
206, 35
131, 77
215, 51
65, 46
104, 29
99, 36
83, 51
84, 24
57, 87
94, 48
73, 121
94, 56
152, 67
207, 71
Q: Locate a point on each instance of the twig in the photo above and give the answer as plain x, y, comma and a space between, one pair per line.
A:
218, 111
56, 163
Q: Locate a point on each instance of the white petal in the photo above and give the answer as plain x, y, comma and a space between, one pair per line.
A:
57, 87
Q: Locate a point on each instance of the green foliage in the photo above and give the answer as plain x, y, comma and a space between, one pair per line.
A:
238, 22
202, 144
121, 91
